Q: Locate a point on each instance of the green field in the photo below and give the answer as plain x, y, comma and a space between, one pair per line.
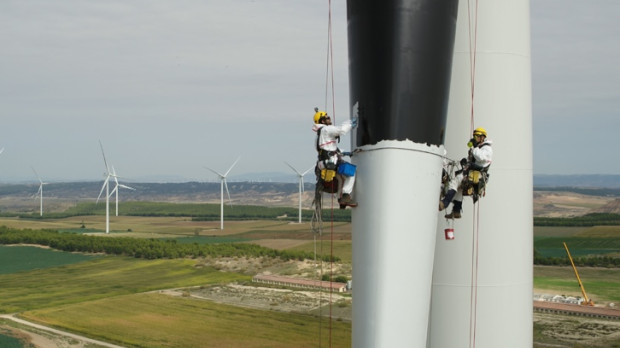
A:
581, 241
154, 320
114, 298
601, 284
101, 278
22, 258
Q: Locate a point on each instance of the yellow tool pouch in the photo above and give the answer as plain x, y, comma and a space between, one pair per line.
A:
474, 176
328, 175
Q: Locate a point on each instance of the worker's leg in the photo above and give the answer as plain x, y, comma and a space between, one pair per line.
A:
347, 187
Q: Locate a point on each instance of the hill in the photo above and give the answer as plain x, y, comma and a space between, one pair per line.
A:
58, 196
548, 201
612, 207
591, 181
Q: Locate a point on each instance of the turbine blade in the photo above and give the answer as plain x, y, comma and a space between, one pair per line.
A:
105, 182
37, 174
104, 160
216, 173
227, 192
127, 187
231, 167
113, 191
306, 172
293, 168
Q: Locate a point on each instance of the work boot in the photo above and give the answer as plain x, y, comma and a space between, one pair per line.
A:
457, 206
441, 206
347, 201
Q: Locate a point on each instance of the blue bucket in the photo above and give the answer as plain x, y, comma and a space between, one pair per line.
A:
346, 169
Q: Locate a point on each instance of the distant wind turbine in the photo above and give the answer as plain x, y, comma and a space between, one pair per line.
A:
40, 192
301, 184
222, 185
115, 190
106, 185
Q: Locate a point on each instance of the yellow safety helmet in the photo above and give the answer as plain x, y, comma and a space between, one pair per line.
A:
318, 115
480, 131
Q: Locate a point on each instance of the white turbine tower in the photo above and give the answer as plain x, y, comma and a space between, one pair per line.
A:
106, 185
301, 184
40, 192
222, 185
116, 186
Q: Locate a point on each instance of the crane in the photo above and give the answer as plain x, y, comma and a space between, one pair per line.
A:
586, 300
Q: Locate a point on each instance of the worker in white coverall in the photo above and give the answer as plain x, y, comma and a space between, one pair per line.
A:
480, 158
328, 136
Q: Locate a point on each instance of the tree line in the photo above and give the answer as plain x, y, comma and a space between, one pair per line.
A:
146, 248
589, 220
582, 261
196, 211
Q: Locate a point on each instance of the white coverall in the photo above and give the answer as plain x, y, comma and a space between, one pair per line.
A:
482, 156
328, 141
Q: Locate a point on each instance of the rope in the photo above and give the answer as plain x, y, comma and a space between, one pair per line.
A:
317, 216
472, 57
476, 224
474, 278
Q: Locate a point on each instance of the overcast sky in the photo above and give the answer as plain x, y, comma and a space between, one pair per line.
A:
172, 87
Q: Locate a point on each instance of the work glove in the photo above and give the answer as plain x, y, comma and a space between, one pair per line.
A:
354, 121
471, 143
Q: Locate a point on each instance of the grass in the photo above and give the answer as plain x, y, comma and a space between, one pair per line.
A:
24, 258
581, 241
155, 320
601, 284
108, 296
341, 249
101, 278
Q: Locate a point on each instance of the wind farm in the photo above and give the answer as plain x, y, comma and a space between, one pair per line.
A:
406, 83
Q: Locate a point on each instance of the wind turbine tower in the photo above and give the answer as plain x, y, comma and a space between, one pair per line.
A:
40, 192
222, 185
301, 184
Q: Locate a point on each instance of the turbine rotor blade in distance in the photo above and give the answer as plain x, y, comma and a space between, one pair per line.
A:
303, 189
293, 168
127, 187
227, 192
306, 172
216, 173
105, 182
231, 167
104, 159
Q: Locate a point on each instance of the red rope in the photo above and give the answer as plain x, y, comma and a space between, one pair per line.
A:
330, 74
476, 224
472, 57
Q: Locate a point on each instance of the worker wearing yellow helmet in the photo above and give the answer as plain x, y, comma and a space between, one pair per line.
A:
480, 153
479, 158
327, 139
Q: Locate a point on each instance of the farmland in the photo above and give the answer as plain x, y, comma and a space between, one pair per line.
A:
164, 298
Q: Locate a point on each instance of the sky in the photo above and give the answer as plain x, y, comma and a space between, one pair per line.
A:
171, 88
